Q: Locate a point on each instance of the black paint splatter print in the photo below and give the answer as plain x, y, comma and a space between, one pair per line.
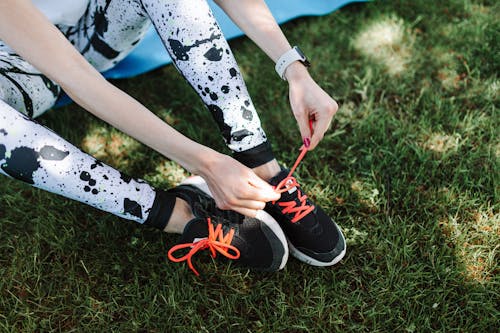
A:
23, 87
2, 152
132, 207
196, 44
39, 157
214, 54
24, 161
52, 153
21, 164
180, 51
105, 34
240, 135
110, 29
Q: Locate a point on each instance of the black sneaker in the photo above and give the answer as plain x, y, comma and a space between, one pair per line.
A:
312, 236
255, 243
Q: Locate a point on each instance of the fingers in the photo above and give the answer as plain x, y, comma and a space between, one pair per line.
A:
250, 198
245, 207
260, 190
321, 123
246, 197
246, 211
305, 132
249, 207
236, 187
309, 101
319, 129
252, 204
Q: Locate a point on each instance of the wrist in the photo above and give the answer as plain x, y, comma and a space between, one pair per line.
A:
288, 59
207, 161
194, 157
296, 71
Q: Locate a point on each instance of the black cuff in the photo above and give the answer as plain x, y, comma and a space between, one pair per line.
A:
256, 156
162, 209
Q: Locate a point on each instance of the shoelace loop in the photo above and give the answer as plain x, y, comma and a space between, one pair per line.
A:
215, 242
289, 182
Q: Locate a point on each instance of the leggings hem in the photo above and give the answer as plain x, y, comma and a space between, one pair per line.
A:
162, 209
256, 156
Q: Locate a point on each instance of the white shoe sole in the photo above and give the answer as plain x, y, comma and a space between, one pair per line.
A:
268, 220
311, 261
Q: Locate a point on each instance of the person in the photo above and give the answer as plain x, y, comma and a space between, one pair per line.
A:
245, 207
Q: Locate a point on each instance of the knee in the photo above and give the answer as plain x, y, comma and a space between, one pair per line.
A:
32, 96
2, 93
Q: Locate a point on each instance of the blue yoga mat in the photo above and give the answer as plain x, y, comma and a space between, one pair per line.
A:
150, 52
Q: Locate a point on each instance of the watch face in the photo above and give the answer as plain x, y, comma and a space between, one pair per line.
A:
299, 51
302, 55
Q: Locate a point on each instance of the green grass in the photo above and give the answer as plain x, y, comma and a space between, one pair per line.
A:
409, 170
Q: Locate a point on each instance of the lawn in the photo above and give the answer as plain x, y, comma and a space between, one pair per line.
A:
409, 170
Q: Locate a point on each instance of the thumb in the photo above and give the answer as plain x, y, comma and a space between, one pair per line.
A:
266, 190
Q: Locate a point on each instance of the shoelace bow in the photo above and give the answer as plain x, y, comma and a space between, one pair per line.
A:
216, 242
289, 182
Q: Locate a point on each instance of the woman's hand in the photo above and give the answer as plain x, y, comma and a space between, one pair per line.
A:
236, 187
307, 99
309, 102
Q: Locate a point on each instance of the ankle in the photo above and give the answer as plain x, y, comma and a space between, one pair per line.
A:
181, 215
268, 170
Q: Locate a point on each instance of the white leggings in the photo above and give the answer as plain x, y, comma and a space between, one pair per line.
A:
106, 33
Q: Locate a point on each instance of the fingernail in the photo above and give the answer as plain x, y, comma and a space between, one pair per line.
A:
307, 142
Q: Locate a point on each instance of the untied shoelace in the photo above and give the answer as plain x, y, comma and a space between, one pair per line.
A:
215, 242
289, 182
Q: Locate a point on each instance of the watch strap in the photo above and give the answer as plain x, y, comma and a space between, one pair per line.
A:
292, 55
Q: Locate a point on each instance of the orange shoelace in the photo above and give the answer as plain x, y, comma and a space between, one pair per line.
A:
216, 242
288, 183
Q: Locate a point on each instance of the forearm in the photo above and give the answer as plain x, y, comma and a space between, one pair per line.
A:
256, 20
125, 113
39, 42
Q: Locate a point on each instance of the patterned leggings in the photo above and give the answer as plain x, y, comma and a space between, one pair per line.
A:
105, 34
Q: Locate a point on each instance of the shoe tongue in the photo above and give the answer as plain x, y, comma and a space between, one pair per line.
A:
195, 229
279, 177
287, 195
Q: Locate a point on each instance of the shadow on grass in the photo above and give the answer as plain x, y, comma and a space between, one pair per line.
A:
408, 172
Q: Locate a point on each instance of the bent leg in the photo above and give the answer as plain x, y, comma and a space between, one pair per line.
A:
108, 31
35, 155
23, 87
111, 28
200, 52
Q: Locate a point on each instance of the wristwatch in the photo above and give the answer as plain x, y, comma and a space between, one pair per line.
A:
295, 54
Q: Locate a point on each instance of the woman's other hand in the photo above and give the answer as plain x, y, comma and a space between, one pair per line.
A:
309, 102
236, 187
